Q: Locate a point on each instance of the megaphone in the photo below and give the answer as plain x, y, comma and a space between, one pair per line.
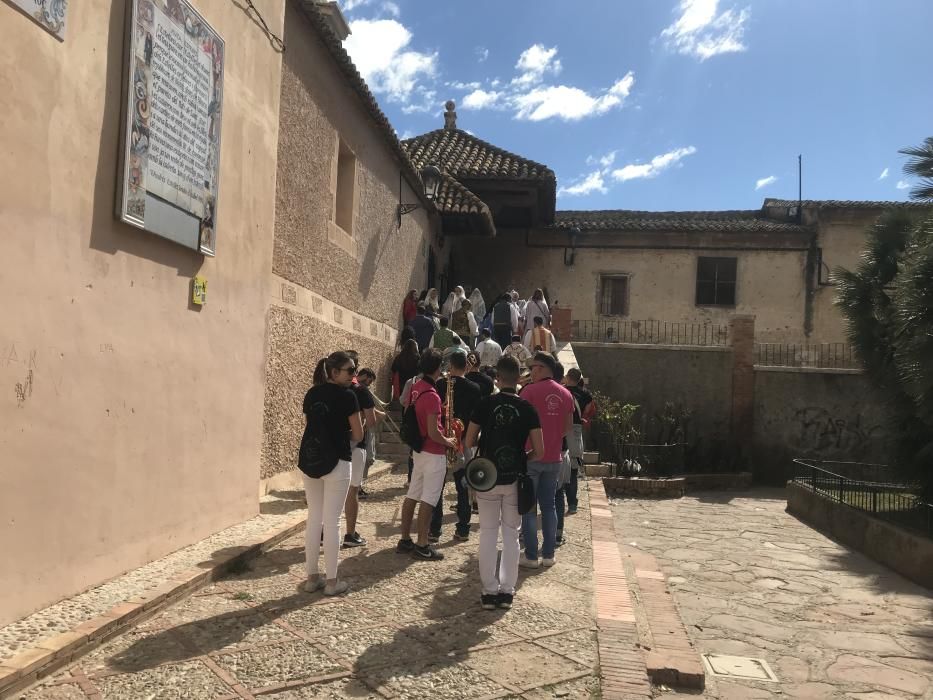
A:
481, 474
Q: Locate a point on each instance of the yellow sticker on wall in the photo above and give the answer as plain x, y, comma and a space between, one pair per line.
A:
199, 291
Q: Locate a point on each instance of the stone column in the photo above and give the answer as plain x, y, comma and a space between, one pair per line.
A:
742, 332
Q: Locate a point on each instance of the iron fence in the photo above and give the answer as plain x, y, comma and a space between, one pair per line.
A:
650, 332
822, 355
872, 488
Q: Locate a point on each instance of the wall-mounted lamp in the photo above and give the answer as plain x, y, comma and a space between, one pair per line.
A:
431, 178
573, 235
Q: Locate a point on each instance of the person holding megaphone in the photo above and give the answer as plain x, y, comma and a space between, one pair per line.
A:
501, 426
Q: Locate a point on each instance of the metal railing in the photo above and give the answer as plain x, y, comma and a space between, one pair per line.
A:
872, 488
650, 332
822, 355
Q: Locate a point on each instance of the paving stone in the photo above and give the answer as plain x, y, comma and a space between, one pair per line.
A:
850, 668
191, 680
461, 632
432, 680
231, 632
810, 691
67, 691
328, 690
137, 650
277, 663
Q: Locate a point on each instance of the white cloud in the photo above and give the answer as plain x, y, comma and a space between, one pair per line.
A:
569, 103
902, 184
700, 32
378, 49
482, 53
654, 168
765, 181
481, 99
350, 5
457, 85
883, 175
604, 161
534, 62
391, 8
591, 183
426, 101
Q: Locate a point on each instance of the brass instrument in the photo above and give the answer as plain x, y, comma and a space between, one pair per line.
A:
453, 427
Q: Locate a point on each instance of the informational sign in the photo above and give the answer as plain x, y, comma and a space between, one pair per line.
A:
171, 138
49, 14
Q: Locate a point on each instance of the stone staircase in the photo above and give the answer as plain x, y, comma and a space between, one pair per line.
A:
389, 446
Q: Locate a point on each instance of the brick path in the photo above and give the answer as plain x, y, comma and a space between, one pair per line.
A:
751, 580
407, 629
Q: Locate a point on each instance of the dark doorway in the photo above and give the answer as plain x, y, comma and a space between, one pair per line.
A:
432, 268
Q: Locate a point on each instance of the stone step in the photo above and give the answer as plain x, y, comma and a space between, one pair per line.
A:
387, 450
390, 437
591, 457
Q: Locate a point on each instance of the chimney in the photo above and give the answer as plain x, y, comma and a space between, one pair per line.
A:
450, 116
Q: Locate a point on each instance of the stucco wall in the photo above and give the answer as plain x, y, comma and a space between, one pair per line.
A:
137, 427
831, 415
368, 276
662, 283
317, 108
697, 379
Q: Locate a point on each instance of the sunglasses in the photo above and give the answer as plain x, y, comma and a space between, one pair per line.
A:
350, 370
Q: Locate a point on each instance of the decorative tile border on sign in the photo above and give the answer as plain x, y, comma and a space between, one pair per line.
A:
300, 300
621, 666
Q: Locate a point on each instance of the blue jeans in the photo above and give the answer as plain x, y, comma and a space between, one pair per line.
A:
544, 475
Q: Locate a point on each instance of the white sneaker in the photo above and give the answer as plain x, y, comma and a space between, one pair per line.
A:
337, 588
527, 563
547, 562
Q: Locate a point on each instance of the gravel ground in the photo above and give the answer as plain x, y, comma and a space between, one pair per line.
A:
406, 629
67, 614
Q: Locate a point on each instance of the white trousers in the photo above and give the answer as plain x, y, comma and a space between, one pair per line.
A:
326, 496
498, 509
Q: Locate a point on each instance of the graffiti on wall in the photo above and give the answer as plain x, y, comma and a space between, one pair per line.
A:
822, 431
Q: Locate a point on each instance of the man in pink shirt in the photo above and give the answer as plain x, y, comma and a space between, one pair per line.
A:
554, 404
430, 465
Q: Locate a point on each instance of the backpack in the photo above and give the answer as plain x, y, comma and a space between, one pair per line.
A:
409, 430
460, 324
317, 455
443, 338
502, 314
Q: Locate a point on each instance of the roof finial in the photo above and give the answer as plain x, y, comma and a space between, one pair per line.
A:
450, 116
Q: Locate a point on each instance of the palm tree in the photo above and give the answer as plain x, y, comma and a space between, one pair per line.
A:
921, 165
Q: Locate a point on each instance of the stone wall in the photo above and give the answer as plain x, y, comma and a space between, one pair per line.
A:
699, 379
822, 414
909, 554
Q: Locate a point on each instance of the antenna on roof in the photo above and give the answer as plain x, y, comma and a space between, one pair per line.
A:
799, 188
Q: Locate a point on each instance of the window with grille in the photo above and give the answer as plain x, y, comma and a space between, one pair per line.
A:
613, 295
716, 281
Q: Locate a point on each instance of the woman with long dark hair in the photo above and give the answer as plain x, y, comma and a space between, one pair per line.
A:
404, 366
333, 421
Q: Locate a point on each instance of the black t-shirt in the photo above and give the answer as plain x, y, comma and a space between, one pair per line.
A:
331, 404
406, 366
466, 395
505, 420
482, 381
365, 400
584, 398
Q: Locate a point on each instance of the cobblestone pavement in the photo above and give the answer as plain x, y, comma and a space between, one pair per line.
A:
406, 629
751, 580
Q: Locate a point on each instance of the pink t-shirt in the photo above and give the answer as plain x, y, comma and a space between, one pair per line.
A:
553, 403
430, 403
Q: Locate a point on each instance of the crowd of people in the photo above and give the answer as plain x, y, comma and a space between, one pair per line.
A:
510, 326
515, 406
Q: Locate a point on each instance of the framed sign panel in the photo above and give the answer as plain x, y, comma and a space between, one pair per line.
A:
170, 142
49, 14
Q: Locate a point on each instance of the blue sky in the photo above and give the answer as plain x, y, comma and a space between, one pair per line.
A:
665, 104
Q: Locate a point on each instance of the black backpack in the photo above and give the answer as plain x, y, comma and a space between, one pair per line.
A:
317, 455
409, 430
502, 314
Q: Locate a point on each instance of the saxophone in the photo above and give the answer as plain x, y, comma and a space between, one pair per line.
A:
453, 427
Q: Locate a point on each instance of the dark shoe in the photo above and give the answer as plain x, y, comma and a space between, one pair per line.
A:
362, 494
558, 542
353, 540
405, 546
432, 538
505, 601
489, 601
428, 553
462, 536
571, 511
475, 509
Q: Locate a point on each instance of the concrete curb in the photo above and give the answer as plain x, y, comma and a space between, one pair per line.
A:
52, 654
